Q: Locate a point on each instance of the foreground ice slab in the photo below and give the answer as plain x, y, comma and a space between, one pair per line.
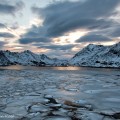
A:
59, 94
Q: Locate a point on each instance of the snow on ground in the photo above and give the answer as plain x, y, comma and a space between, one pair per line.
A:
92, 56
67, 93
98, 56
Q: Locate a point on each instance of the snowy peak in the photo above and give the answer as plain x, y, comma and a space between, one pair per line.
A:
115, 49
91, 48
3, 59
98, 56
27, 58
92, 56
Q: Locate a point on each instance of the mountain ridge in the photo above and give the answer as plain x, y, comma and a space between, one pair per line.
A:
97, 56
90, 56
27, 58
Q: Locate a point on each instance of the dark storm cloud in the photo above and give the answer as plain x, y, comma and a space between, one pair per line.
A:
33, 35
63, 17
93, 38
34, 40
115, 32
57, 47
6, 35
8, 8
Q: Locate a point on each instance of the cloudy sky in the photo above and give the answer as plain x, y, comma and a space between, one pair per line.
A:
58, 28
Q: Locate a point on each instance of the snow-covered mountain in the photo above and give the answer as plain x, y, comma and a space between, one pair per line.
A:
3, 59
98, 56
92, 56
28, 58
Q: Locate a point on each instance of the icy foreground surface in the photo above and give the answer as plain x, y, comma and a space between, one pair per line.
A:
60, 93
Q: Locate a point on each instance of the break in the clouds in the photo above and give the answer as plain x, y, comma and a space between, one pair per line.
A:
7, 7
62, 17
59, 25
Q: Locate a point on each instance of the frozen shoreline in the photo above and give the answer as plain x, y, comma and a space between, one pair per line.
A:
52, 94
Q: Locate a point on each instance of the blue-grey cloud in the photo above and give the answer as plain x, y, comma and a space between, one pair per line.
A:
115, 32
2, 43
34, 40
63, 17
8, 8
6, 35
93, 38
2, 25
61, 54
57, 47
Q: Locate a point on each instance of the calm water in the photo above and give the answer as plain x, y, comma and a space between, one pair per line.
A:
68, 70
85, 69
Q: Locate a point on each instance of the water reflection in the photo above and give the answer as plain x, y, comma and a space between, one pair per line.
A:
67, 68
14, 67
88, 70
20, 67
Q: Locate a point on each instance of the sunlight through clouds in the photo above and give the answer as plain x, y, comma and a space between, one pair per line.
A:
42, 26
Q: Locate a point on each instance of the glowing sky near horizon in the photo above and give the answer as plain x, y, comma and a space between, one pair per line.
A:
58, 28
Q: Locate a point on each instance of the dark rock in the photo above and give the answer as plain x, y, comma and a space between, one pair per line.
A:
116, 115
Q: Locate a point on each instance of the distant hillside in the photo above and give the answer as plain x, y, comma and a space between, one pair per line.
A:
92, 56
98, 56
28, 58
